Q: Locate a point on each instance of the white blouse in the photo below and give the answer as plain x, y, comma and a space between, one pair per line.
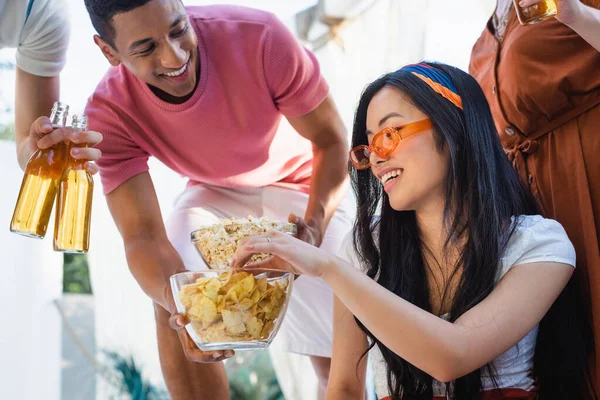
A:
535, 240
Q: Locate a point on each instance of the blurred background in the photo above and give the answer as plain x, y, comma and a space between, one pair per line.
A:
82, 328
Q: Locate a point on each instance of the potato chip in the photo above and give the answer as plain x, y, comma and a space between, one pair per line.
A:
245, 304
235, 306
254, 327
262, 283
209, 311
195, 313
231, 297
233, 279
233, 322
211, 290
202, 281
256, 296
267, 328
189, 290
247, 285
185, 299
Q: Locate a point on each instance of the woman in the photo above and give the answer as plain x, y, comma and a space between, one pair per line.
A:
542, 82
459, 268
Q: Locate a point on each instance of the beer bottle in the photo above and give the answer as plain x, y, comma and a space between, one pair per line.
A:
38, 189
536, 13
74, 201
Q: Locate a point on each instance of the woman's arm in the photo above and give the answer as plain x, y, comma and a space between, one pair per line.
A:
583, 19
587, 25
444, 350
447, 350
348, 367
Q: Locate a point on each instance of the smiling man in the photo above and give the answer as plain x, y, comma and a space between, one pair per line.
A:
227, 97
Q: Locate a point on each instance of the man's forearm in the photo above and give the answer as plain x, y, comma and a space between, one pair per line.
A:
152, 262
328, 183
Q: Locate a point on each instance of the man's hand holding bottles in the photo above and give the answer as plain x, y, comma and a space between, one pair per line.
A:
44, 135
59, 169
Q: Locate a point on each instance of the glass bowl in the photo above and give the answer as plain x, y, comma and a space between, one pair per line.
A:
217, 243
238, 309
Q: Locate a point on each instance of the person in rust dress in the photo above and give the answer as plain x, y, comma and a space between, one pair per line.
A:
543, 85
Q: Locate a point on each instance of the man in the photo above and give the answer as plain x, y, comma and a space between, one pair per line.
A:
205, 90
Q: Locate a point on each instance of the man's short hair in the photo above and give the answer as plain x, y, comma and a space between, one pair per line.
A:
102, 11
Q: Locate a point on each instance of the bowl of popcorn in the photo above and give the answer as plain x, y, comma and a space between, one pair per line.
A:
217, 243
238, 309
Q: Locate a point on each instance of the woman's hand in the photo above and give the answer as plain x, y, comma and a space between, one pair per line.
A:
569, 11
291, 254
582, 19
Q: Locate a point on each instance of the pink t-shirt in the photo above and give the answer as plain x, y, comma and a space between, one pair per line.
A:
231, 132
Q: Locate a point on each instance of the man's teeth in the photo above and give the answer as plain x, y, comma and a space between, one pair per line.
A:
390, 175
177, 73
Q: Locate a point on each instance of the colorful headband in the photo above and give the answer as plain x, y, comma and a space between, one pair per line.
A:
437, 80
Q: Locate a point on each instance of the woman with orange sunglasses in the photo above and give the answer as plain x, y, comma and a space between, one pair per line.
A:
458, 269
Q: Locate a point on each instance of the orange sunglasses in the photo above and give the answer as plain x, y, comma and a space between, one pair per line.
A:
385, 142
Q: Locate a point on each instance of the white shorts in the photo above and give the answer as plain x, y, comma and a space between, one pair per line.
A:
307, 327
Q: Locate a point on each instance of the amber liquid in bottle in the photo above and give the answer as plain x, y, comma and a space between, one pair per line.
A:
74, 203
40, 183
536, 13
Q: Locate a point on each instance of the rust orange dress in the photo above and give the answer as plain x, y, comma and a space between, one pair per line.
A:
543, 85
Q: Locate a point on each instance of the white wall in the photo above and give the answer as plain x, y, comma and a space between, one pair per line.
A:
124, 314
453, 27
30, 279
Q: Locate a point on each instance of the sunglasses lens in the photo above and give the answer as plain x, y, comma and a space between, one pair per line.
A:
386, 142
360, 157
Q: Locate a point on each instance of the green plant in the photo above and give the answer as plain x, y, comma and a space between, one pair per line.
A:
251, 377
76, 276
131, 381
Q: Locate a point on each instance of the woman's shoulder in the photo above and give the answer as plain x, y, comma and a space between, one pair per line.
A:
536, 228
537, 239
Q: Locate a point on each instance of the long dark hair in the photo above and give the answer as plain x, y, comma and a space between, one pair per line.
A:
483, 193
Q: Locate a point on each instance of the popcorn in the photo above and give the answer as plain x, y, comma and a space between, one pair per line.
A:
218, 243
